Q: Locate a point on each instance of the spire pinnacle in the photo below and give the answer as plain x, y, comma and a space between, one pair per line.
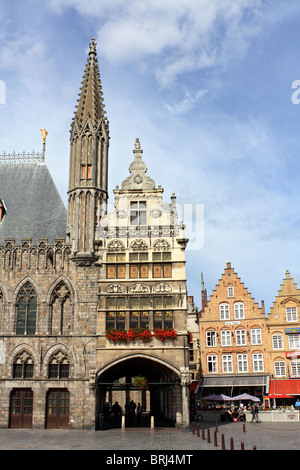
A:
91, 102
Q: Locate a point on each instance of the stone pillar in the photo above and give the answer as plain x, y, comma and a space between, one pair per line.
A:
185, 383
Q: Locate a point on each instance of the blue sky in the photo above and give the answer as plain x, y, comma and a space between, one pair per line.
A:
206, 85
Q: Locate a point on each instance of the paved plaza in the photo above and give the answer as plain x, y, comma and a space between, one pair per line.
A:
264, 436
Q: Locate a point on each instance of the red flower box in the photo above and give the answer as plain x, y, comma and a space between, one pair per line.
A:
164, 334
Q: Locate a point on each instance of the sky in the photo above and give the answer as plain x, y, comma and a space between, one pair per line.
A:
210, 87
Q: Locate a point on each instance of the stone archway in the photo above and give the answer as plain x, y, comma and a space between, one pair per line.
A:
166, 387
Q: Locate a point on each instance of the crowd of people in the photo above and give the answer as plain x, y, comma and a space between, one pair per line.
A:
115, 411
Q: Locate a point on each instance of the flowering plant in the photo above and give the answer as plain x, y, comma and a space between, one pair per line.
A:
140, 382
142, 334
164, 334
116, 335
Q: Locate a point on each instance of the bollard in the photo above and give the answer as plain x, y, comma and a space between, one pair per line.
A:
203, 433
216, 426
123, 422
254, 447
198, 430
231, 443
223, 442
152, 422
193, 427
215, 439
208, 435
242, 445
244, 426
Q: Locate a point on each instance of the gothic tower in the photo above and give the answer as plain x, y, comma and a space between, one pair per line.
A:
89, 141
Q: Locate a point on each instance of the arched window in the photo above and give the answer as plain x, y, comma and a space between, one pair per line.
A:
224, 311
239, 312
59, 366
230, 291
61, 310
23, 366
26, 310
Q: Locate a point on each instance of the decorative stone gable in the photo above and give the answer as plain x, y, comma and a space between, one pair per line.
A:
138, 169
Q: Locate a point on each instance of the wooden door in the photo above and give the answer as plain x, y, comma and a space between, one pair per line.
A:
21, 405
57, 409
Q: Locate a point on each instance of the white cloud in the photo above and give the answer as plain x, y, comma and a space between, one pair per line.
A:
171, 37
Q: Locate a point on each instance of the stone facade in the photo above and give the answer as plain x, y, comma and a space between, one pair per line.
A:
61, 295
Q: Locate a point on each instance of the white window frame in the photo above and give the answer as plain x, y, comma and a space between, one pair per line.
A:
295, 368
291, 314
240, 337
258, 362
225, 337
277, 341
211, 339
224, 311
242, 362
239, 311
294, 341
227, 365
212, 363
279, 369
230, 291
256, 337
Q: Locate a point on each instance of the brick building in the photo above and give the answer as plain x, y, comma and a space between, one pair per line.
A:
233, 338
70, 278
284, 341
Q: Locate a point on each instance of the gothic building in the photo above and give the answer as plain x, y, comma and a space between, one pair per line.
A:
91, 302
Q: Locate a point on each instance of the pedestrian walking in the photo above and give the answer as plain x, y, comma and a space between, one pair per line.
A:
254, 412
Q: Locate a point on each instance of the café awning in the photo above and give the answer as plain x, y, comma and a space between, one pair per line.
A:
284, 387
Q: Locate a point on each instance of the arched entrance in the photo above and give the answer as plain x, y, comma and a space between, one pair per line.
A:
162, 398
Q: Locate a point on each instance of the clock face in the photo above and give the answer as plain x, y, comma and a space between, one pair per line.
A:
276, 317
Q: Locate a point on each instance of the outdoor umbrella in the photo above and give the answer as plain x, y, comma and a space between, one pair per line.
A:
214, 397
245, 396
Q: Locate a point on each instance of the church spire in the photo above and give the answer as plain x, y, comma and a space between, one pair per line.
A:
88, 173
90, 103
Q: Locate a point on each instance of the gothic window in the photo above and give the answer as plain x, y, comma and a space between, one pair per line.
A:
61, 310
59, 366
26, 307
23, 366
2, 210
1, 310
86, 172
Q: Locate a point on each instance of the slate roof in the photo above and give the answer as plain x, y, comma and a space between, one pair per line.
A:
34, 208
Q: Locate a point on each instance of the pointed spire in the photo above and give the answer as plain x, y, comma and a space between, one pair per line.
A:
90, 102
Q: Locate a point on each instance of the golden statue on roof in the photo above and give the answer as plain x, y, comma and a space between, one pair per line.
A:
44, 134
